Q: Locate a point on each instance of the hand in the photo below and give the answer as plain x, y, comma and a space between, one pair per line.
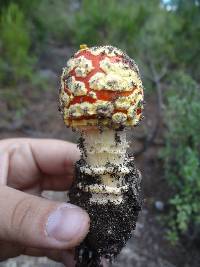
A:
30, 224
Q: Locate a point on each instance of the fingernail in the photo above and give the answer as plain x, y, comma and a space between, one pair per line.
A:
66, 223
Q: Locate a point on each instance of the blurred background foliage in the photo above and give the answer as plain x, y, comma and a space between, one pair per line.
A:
164, 39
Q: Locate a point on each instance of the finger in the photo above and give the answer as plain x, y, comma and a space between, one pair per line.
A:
9, 250
4, 160
55, 156
66, 257
52, 156
56, 183
36, 222
31, 161
55, 255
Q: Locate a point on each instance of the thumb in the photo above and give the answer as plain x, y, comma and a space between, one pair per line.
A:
37, 222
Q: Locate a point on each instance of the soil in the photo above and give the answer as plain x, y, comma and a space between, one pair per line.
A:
148, 247
111, 224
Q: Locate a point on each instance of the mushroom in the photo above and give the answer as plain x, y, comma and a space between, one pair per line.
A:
101, 95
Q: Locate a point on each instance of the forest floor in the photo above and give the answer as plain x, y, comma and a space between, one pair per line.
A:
41, 119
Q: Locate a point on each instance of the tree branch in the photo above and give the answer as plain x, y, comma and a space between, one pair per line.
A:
156, 79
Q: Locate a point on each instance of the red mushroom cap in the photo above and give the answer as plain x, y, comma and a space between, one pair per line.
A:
101, 86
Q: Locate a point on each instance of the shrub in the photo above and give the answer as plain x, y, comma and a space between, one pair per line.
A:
53, 27
182, 156
16, 62
109, 22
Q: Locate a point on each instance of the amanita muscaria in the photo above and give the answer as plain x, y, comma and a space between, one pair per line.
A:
101, 95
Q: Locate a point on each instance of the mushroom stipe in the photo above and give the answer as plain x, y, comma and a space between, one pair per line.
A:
111, 225
101, 95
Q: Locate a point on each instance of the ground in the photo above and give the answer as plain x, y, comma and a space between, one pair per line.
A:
148, 246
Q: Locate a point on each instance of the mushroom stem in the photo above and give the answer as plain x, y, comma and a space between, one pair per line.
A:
104, 153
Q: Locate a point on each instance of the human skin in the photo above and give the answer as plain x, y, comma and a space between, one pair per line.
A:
29, 223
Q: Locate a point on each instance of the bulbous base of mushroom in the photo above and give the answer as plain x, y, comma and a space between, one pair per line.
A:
111, 222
